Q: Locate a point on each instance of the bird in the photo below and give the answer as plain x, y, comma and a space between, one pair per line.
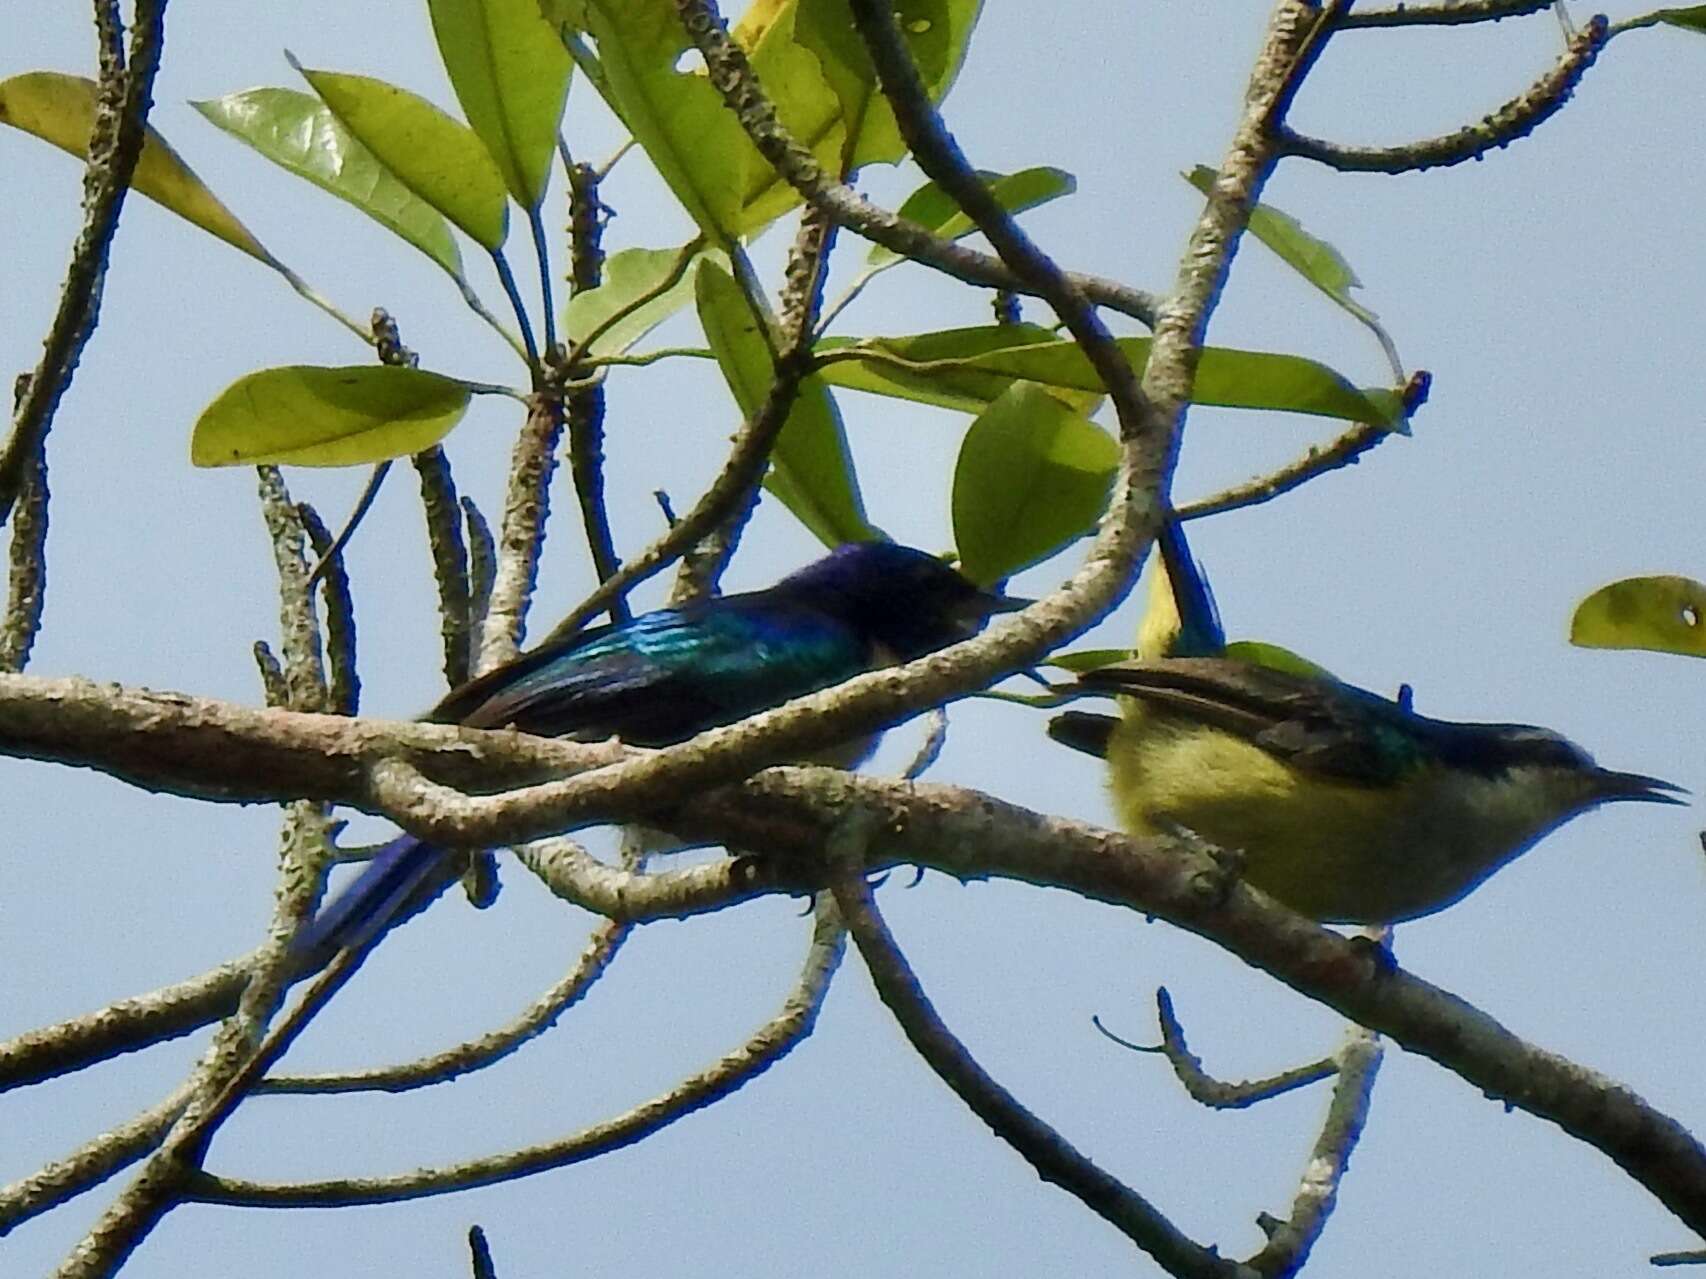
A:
1344, 805
664, 676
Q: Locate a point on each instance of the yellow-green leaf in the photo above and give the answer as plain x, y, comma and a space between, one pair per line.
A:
61, 109
933, 208
1276, 657
628, 276
299, 133
1664, 614
936, 33
1310, 256
967, 369
435, 156
1692, 18
1032, 476
511, 75
811, 472
311, 416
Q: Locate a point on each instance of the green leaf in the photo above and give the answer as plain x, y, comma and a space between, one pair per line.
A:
1032, 476
936, 32
968, 368
933, 208
1274, 657
433, 155
511, 75
297, 132
629, 275
810, 470
312, 416
697, 147
61, 109
1663, 614
1311, 257
943, 368
1693, 18
1088, 659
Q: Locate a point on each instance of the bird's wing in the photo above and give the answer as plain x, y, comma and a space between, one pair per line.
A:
1320, 725
664, 676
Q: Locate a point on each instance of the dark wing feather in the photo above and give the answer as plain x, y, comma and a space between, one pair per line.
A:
665, 675
1320, 725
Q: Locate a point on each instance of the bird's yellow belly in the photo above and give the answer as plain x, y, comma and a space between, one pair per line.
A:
1336, 851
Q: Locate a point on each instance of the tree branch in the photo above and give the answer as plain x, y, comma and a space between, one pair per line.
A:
773, 1041
122, 101
1515, 119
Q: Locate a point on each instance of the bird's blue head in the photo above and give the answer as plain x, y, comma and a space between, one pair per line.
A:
907, 600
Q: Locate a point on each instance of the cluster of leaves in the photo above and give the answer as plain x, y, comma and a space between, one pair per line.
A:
1034, 471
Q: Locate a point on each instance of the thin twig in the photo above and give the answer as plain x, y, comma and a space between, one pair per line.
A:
334, 548
122, 101
1202, 1087
506, 277
773, 1041
1346, 450
1463, 11
1053, 1157
476, 1054
1290, 1241
1515, 119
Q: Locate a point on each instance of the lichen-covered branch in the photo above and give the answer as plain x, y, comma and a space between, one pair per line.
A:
607, 938
1515, 119
773, 1041
522, 538
1053, 1157
449, 562
1290, 1241
1453, 14
216, 750
123, 97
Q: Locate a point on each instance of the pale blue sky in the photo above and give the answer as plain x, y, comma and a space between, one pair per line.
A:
1554, 291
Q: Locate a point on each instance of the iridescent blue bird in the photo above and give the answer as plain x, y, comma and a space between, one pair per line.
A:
664, 676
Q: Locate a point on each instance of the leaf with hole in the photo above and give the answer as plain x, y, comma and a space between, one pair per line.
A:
1665, 614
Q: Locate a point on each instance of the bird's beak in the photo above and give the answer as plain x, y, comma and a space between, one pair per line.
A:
1610, 786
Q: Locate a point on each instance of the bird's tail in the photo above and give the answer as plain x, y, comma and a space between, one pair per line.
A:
397, 882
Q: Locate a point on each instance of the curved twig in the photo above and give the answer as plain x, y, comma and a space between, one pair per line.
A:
1053, 1157
1515, 119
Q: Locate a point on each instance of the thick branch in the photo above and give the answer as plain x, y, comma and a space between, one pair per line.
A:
213, 750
